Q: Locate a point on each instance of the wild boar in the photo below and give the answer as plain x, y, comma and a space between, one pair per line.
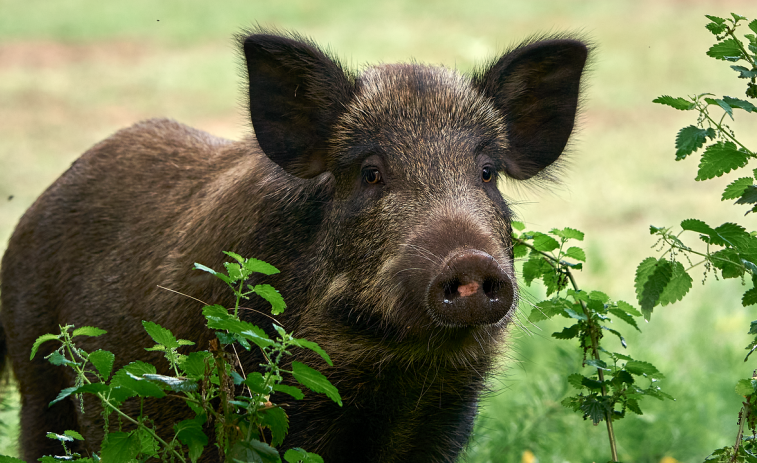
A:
375, 194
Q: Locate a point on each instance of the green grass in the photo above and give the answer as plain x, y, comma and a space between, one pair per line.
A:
73, 72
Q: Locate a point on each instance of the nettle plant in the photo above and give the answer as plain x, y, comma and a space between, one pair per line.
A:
730, 251
237, 405
614, 384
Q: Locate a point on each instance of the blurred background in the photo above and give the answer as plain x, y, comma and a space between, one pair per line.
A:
73, 72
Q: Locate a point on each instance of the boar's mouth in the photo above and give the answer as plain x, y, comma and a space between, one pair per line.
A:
470, 289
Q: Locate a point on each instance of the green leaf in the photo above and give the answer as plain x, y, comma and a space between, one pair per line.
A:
639, 368
652, 276
716, 28
544, 243
258, 266
568, 332
698, 226
731, 234
548, 309
534, 268
256, 382
190, 433
720, 158
599, 296
315, 381
568, 233
291, 390
276, 420
625, 317
73, 434
678, 286
176, 384
715, 19
729, 263
744, 73
120, 447
297, 455
519, 250
193, 364
688, 140
518, 225
744, 387
130, 377
56, 358
598, 364
88, 331
576, 253
626, 307
253, 451
234, 271
736, 188
749, 196
727, 50
103, 361
740, 104
304, 343
273, 297
725, 106
160, 335
40, 340
677, 103
749, 297
7, 459
594, 409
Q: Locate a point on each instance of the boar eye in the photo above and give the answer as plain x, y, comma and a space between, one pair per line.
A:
487, 174
372, 176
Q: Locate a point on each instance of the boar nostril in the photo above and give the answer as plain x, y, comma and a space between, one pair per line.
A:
470, 289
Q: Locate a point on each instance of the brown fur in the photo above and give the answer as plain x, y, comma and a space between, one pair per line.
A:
358, 260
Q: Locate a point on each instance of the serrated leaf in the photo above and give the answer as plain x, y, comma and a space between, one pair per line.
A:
518, 225
568, 233
56, 358
120, 447
59, 437
594, 409
7, 459
253, 451
297, 455
652, 276
616, 333
234, 271
698, 226
258, 266
270, 294
88, 331
73, 434
716, 28
130, 377
633, 405
720, 158
729, 263
190, 433
544, 243
727, 50
715, 19
744, 387
681, 104
625, 317
736, 188
576, 253
176, 384
315, 381
277, 421
639, 368
290, 390
598, 364
304, 343
599, 296
575, 380
740, 104
725, 106
744, 73
534, 268
547, 309
688, 140
749, 297
160, 335
568, 332
103, 361
40, 340
235, 256
519, 250
193, 365
626, 307
678, 286
749, 196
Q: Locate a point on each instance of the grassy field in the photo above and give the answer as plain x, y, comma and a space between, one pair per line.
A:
73, 72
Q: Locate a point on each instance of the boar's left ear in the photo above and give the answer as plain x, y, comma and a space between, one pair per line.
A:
535, 87
296, 94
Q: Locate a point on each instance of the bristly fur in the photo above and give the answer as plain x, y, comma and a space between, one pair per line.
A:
376, 197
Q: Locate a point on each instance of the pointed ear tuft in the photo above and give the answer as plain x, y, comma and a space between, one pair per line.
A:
296, 94
536, 87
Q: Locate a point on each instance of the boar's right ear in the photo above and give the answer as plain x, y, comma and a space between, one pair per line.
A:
296, 94
535, 87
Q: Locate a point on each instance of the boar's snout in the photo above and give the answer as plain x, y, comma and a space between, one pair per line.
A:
470, 289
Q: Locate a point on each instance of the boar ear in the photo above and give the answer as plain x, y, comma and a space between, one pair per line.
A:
296, 94
535, 87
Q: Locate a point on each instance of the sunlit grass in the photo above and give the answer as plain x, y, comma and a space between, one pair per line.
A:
73, 72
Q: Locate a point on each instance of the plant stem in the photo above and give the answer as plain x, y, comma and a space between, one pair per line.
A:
600, 373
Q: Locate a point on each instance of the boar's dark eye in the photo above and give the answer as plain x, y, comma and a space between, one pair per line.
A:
487, 174
372, 176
